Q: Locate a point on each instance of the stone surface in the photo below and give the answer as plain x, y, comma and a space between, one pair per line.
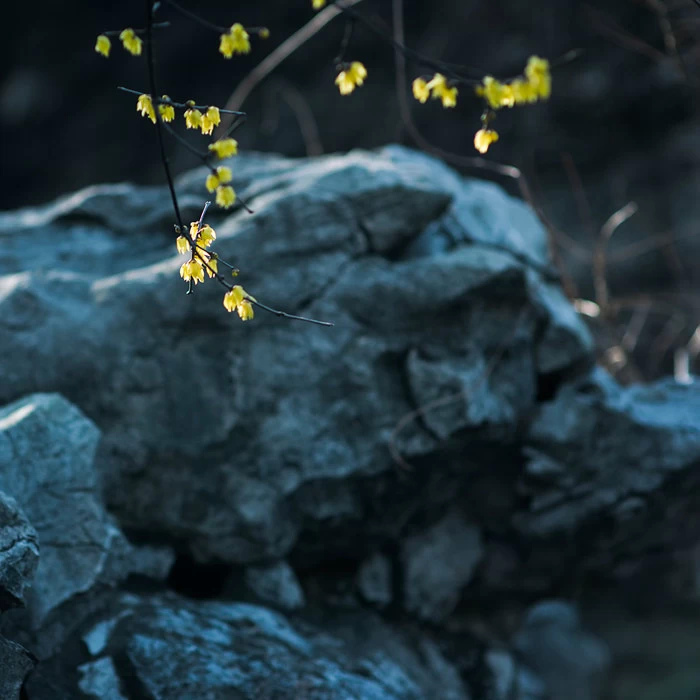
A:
432, 592
173, 648
375, 581
449, 421
99, 680
435, 286
15, 664
598, 450
19, 553
47, 450
569, 660
276, 584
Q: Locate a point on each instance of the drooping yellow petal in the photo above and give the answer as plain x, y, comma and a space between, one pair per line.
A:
167, 112
236, 40
484, 138
144, 104
183, 245
224, 174
193, 118
224, 148
420, 90
212, 182
225, 196
103, 45
350, 78
211, 119
131, 42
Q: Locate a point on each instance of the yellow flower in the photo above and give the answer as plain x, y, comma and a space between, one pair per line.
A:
237, 298
523, 91
235, 41
224, 148
183, 245
538, 75
224, 174
318, 4
245, 310
103, 45
440, 90
167, 112
212, 267
131, 42
420, 90
192, 270
225, 196
496, 93
206, 236
145, 106
449, 97
193, 118
264, 33
351, 78
212, 182
211, 119
484, 138
233, 298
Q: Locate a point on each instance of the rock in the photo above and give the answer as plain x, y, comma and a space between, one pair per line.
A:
443, 300
276, 584
374, 579
600, 450
99, 680
47, 448
571, 662
19, 553
15, 665
431, 590
172, 648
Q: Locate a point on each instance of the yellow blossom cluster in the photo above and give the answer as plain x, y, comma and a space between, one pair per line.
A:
203, 261
218, 177
236, 40
318, 4
353, 76
438, 87
237, 298
534, 85
132, 43
194, 119
224, 148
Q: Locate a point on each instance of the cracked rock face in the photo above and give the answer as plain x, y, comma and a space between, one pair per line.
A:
168, 648
47, 448
437, 287
414, 444
19, 553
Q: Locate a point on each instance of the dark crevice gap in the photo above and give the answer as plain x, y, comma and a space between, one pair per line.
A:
193, 579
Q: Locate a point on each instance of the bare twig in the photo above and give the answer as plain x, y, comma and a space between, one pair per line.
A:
600, 282
283, 51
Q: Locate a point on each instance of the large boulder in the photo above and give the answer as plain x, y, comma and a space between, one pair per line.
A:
439, 289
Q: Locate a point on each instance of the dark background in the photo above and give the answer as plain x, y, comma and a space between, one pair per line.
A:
622, 123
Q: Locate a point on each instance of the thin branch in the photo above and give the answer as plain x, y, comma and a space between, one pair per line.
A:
196, 18
600, 282
282, 52
159, 123
181, 105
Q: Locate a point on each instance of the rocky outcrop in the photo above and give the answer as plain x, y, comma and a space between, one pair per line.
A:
445, 450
